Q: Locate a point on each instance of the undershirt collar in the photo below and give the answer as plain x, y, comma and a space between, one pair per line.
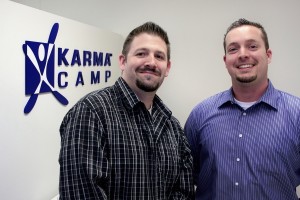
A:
244, 105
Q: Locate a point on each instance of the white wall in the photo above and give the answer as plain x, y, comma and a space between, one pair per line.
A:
30, 143
196, 29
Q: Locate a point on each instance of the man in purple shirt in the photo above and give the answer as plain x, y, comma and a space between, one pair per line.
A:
245, 141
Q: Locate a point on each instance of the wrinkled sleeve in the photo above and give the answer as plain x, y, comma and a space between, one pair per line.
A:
185, 186
83, 158
191, 130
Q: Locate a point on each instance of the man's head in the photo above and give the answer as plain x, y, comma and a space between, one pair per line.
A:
242, 22
149, 28
145, 59
247, 53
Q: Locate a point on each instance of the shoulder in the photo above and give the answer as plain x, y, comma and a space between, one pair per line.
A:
208, 107
176, 123
96, 101
290, 101
289, 105
100, 97
211, 103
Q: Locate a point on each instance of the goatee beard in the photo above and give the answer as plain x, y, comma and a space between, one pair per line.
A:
146, 87
246, 79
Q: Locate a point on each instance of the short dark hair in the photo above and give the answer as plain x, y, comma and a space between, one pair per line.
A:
150, 28
242, 22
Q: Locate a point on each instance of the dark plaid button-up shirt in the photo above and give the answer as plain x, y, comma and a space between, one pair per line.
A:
113, 148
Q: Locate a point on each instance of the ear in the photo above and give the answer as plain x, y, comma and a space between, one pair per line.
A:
224, 58
122, 61
269, 55
168, 68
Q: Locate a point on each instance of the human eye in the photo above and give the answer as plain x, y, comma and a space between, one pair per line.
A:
253, 46
160, 56
140, 54
232, 49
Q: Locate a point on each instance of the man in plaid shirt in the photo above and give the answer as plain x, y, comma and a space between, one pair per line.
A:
122, 142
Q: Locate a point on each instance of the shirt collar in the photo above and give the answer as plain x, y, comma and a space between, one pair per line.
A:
128, 96
270, 97
131, 100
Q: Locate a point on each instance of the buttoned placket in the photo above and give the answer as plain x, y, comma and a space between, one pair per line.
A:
238, 156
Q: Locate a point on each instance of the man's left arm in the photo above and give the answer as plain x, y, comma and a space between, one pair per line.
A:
184, 186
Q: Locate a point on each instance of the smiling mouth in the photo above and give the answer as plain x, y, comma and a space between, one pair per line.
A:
149, 71
245, 66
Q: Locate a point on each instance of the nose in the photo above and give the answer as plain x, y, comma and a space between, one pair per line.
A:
243, 54
151, 61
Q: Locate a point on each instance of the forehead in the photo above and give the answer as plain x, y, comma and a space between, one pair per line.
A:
244, 33
148, 41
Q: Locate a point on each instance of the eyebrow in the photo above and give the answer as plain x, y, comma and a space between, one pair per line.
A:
247, 41
146, 49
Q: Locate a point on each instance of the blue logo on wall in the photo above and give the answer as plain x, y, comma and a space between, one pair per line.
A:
39, 69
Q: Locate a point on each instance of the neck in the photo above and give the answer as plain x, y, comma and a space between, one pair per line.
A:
249, 93
146, 98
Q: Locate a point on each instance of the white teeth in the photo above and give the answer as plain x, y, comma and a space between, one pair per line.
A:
244, 66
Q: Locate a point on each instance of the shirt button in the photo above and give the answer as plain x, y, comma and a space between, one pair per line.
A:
244, 114
236, 183
240, 135
238, 159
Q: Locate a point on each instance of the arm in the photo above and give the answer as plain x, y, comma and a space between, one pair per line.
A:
83, 160
190, 130
184, 186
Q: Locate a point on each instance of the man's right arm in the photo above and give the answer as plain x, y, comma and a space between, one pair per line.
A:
83, 160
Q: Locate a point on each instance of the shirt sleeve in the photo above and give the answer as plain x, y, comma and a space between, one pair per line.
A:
190, 130
184, 185
83, 156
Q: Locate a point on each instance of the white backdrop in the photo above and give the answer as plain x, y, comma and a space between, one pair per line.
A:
30, 143
196, 29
